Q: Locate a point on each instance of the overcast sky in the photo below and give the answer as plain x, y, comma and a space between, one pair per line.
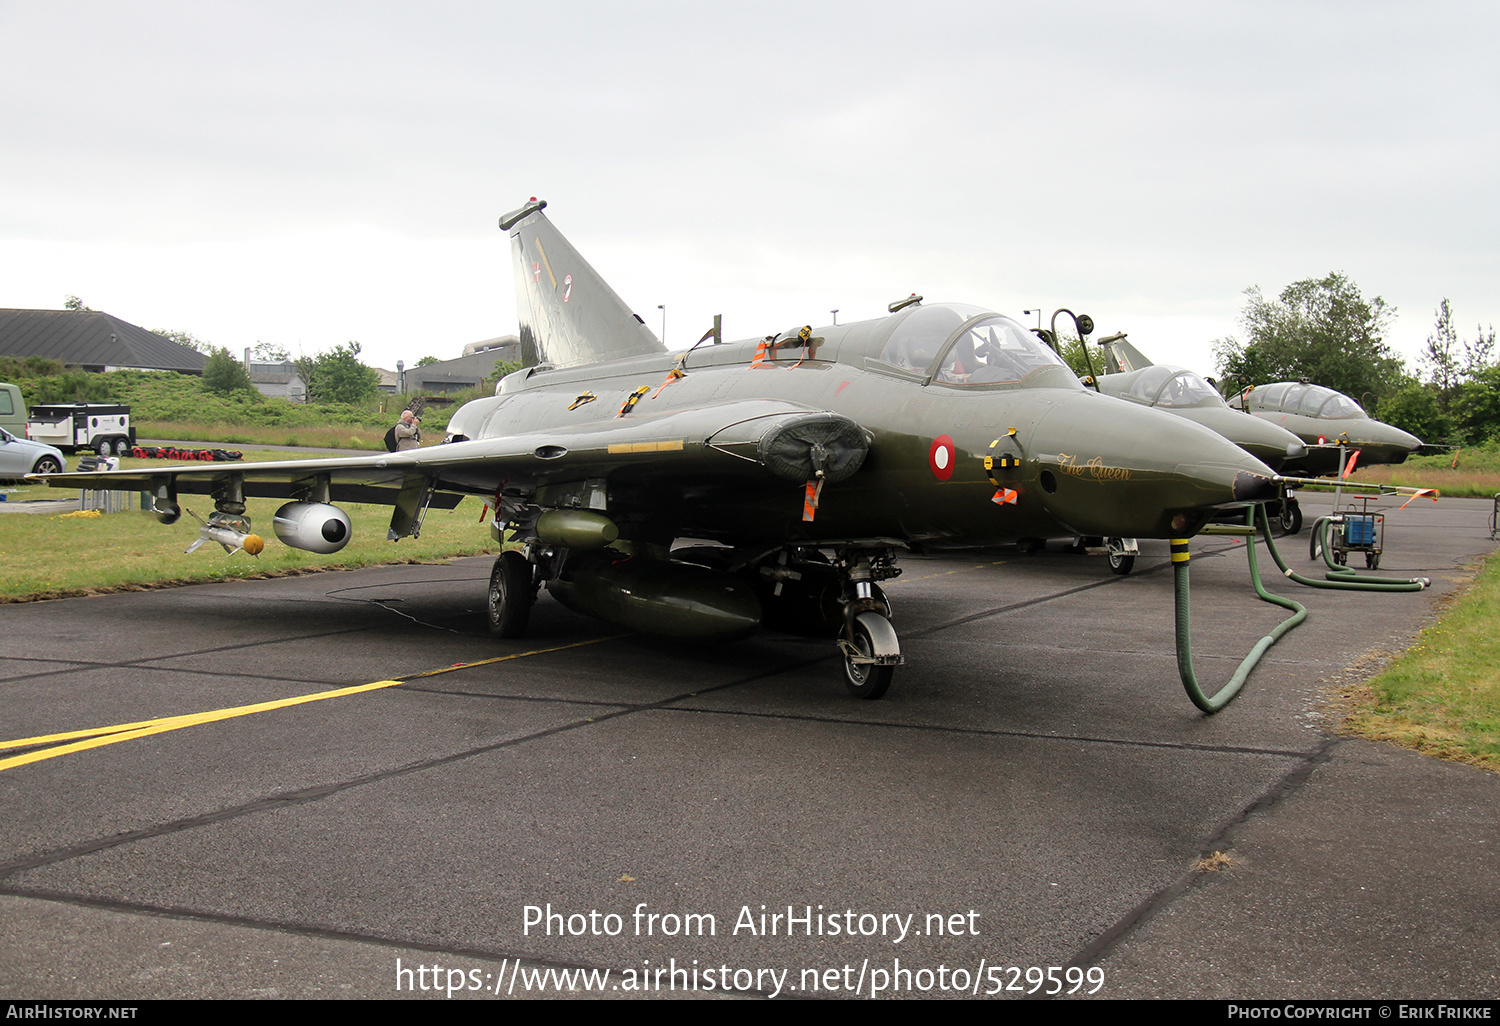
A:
309, 173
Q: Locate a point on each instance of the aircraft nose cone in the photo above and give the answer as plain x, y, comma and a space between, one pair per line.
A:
1110, 467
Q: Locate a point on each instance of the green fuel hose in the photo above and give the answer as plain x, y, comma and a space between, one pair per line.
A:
1180, 560
1338, 577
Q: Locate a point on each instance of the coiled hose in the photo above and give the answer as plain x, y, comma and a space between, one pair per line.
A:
1180, 560
1339, 577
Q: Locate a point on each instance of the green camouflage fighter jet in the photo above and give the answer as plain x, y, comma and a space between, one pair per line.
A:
1129, 375
1326, 420
802, 464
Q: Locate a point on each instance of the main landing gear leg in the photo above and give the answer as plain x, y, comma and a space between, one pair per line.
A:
869, 644
512, 592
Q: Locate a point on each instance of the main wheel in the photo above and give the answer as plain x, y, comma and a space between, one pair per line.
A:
1291, 516
1121, 563
511, 595
866, 680
47, 465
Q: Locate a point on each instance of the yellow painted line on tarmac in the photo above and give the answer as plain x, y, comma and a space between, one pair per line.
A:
96, 736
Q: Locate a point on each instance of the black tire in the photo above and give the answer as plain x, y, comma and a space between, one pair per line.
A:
866, 680
122, 447
1291, 516
47, 465
1121, 563
1372, 561
510, 596
1341, 558
105, 447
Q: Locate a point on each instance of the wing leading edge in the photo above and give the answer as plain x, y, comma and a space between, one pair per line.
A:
756, 441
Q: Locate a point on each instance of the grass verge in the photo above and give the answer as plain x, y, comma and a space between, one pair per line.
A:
218, 436
1442, 695
1466, 474
58, 556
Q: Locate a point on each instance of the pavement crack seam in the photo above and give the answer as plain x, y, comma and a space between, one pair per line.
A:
1289, 784
318, 932
940, 728
78, 665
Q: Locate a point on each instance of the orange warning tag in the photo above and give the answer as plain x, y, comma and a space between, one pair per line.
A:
810, 501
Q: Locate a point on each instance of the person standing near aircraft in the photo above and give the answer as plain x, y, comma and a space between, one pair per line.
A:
408, 432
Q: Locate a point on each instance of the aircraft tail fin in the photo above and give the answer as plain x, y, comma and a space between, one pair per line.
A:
569, 315
1120, 356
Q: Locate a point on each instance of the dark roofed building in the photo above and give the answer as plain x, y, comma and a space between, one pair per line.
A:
92, 340
468, 371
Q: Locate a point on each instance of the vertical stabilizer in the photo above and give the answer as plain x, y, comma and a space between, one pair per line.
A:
569, 315
1120, 357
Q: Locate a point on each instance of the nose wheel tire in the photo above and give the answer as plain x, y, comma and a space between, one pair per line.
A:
1291, 516
1121, 563
866, 680
511, 595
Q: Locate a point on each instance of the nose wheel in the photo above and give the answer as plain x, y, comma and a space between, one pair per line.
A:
871, 653
1122, 553
1290, 519
867, 642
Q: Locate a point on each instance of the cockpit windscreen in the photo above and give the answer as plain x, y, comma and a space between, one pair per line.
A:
995, 350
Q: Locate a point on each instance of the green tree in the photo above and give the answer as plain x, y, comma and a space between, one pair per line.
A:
269, 352
502, 368
337, 376
1415, 407
74, 303
1479, 354
1321, 329
427, 361
1476, 405
1440, 354
224, 374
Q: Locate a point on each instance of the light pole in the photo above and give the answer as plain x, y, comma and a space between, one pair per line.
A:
1038, 313
663, 308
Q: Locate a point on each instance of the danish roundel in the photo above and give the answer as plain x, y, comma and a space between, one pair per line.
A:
941, 457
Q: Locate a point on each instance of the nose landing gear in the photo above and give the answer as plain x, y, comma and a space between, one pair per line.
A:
869, 644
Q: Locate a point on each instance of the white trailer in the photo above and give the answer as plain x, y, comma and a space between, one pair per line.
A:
103, 427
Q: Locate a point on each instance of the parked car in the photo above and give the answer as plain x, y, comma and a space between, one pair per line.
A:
21, 456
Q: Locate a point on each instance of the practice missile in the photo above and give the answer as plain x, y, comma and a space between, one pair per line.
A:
232, 532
